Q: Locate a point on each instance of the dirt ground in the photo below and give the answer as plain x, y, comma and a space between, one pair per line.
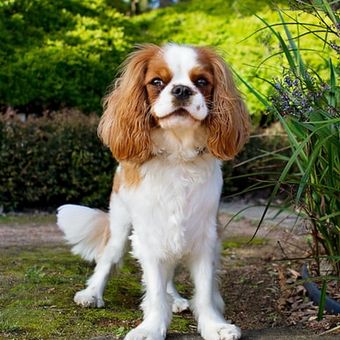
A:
252, 275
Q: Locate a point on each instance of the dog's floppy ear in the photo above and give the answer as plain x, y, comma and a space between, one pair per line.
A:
228, 120
125, 124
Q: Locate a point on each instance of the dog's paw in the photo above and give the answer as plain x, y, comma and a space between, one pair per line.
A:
179, 305
221, 332
141, 333
87, 298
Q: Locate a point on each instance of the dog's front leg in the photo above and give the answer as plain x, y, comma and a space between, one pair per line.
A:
156, 303
211, 322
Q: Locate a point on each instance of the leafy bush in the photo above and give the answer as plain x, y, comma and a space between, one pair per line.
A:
50, 161
59, 53
64, 53
46, 162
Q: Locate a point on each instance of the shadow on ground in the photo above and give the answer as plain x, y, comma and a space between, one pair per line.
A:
261, 334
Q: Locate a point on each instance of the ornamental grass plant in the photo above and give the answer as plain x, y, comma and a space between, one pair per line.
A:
307, 107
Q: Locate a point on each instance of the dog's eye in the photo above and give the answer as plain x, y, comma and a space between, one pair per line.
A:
201, 82
157, 82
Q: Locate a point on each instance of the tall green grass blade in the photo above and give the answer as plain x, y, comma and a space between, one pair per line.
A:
280, 53
256, 93
264, 154
283, 45
293, 47
278, 184
279, 24
309, 166
326, 217
322, 300
332, 14
292, 139
251, 188
239, 213
332, 94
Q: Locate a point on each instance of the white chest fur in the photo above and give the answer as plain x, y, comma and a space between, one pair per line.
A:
175, 205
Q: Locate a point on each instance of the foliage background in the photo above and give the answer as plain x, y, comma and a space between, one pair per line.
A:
63, 55
66, 53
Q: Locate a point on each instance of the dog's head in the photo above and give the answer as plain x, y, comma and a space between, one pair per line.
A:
173, 87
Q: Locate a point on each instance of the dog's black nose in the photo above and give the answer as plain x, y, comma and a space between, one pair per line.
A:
181, 92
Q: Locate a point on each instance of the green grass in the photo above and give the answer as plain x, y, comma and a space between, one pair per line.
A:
15, 220
36, 297
242, 241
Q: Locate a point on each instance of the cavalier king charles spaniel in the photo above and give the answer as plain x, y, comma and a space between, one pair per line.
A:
172, 116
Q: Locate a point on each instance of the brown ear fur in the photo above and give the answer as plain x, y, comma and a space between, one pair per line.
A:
125, 124
228, 120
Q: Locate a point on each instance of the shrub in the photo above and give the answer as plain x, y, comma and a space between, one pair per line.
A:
46, 162
59, 53
50, 161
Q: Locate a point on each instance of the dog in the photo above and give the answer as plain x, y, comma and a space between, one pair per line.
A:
172, 116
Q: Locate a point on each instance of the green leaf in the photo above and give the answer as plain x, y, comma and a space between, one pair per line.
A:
322, 300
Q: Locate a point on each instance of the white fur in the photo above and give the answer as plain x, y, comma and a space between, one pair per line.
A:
181, 59
170, 216
81, 225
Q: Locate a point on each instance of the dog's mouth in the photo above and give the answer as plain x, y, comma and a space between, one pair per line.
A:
179, 113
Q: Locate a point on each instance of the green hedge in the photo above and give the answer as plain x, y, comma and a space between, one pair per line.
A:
46, 162
59, 53
50, 161
65, 53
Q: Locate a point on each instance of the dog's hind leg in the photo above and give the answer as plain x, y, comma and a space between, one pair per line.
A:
111, 255
179, 304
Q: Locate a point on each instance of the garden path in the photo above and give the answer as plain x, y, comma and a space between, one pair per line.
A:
247, 270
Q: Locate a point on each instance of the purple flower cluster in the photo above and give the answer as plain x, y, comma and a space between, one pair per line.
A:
299, 96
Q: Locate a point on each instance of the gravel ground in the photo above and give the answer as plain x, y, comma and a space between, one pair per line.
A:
29, 234
35, 233
240, 266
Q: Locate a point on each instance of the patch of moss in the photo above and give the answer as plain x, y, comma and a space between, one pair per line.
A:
242, 241
181, 323
37, 289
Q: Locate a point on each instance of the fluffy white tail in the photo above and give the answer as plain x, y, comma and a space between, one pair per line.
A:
86, 229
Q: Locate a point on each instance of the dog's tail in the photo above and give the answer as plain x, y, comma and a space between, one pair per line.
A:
86, 229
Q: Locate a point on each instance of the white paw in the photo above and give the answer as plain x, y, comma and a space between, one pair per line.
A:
141, 333
179, 305
221, 332
86, 298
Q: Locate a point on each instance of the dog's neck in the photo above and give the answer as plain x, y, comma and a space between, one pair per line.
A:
180, 144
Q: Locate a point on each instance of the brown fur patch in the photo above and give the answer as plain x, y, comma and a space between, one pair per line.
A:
125, 125
157, 68
116, 182
228, 120
100, 234
131, 174
104, 238
204, 71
